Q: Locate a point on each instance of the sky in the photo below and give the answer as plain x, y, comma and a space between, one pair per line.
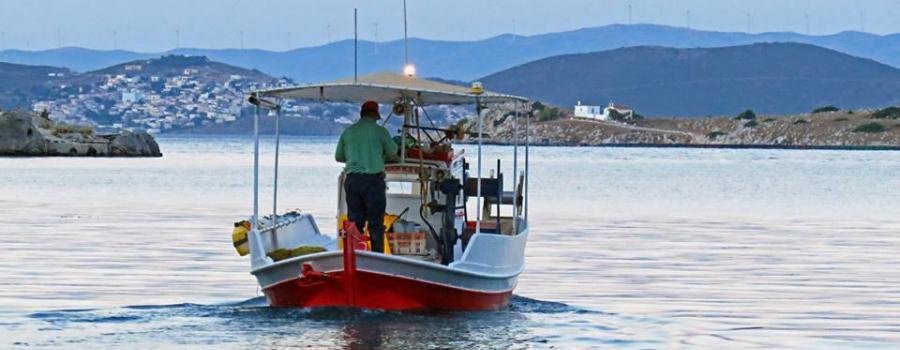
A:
159, 25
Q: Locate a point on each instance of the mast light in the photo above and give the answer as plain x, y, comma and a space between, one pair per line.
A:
409, 71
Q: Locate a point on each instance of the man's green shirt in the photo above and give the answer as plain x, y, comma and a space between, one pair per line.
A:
364, 146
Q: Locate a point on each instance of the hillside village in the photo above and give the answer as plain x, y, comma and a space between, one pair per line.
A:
181, 94
134, 97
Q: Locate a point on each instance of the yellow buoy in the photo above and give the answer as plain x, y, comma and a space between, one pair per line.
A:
239, 237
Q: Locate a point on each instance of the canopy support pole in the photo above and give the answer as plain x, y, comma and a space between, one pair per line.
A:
478, 176
527, 168
515, 188
277, 147
258, 254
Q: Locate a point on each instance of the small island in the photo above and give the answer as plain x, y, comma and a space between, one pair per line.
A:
24, 134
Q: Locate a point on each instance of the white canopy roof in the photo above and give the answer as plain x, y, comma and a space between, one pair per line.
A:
387, 87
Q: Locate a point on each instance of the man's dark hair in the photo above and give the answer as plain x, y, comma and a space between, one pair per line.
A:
370, 114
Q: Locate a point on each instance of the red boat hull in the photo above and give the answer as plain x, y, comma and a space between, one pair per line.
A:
381, 291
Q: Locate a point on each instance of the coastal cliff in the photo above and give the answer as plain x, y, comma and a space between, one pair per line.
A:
838, 129
28, 135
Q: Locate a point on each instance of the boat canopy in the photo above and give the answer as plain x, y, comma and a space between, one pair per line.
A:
388, 87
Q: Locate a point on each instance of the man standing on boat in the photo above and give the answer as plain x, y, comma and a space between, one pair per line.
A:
364, 147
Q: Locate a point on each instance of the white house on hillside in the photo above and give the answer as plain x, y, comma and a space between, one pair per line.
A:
595, 112
589, 112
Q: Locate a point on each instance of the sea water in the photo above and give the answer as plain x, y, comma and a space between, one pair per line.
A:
630, 248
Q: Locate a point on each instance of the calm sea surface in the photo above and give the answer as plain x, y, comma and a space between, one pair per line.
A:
630, 248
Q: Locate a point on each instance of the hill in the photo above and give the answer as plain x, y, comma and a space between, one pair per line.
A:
161, 94
778, 78
22, 85
465, 60
18, 82
173, 65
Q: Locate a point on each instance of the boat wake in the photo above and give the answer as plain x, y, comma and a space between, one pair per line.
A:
526, 323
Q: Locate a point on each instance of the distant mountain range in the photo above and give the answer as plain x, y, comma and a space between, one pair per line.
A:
779, 78
465, 60
775, 78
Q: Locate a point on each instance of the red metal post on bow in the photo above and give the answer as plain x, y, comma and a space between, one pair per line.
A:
351, 237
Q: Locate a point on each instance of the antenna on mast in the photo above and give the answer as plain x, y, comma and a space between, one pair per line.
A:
377, 43
806, 17
355, 48
409, 70
405, 35
630, 22
748, 22
862, 22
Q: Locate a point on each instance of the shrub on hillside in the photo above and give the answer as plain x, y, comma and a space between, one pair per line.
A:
887, 113
841, 119
801, 121
768, 120
550, 113
747, 115
501, 120
825, 109
624, 118
61, 129
751, 124
870, 128
715, 134
543, 112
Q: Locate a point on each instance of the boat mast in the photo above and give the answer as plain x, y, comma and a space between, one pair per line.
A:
405, 36
407, 104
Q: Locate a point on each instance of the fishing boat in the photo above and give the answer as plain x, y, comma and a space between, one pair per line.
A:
439, 253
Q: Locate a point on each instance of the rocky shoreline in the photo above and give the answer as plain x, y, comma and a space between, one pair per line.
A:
24, 134
863, 130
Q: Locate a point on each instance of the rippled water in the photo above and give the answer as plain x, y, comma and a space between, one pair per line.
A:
630, 248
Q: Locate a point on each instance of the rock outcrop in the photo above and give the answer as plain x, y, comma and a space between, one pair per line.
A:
20, 135
29, 135
131, 143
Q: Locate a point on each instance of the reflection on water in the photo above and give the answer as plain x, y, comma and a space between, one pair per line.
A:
252, 324
630, 248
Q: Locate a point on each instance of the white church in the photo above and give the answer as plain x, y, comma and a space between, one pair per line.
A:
602, 113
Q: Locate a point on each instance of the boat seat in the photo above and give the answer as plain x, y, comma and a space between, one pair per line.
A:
508, 197
490, 187
489, 225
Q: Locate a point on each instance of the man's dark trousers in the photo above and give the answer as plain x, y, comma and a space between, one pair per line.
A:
366, 203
